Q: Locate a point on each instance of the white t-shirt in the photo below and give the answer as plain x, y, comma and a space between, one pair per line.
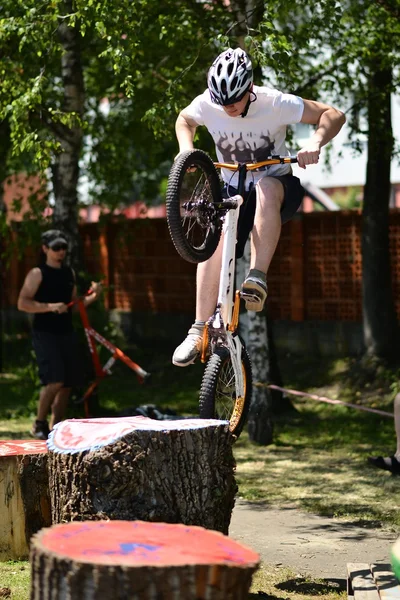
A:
253, 138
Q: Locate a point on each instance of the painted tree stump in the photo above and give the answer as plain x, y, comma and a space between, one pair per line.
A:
135, 468
113, 560
24, 495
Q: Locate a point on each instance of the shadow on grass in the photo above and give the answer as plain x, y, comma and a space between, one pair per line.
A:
301, 585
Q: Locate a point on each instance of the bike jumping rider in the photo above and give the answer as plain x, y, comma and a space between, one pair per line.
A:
248, 123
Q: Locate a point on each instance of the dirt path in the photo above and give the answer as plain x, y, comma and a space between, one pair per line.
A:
306, 543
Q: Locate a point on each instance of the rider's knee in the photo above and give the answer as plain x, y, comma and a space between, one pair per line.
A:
270, 191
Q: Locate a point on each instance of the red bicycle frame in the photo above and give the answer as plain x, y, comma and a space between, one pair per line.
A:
93, 336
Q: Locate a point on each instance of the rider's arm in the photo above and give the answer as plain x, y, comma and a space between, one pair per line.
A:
329, 122
26, 301
185, 129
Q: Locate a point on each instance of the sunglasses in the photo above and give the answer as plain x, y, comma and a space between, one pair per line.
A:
58, 247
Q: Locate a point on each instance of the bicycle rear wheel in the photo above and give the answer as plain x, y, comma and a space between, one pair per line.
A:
193, 220
218, 390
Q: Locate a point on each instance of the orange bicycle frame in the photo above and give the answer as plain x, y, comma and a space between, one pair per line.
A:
93, 336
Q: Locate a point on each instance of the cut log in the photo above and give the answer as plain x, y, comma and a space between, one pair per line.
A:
24, 495
115, 560
135, 468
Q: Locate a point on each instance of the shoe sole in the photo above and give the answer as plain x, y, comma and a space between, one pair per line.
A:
186, 364
257, 296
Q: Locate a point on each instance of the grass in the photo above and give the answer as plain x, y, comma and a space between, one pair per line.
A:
15, 577
270, 582
317, 462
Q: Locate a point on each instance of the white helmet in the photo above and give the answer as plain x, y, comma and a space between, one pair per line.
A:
230, 77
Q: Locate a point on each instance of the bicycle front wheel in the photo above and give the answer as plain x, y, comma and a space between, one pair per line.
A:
192, 193
218, 399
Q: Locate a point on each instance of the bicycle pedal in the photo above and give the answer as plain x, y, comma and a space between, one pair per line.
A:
254, 297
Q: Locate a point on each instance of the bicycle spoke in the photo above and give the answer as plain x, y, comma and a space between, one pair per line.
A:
226, 392
195, 207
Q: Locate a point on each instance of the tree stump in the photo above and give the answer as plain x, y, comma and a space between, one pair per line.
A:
135, 468
115, 560
24, 495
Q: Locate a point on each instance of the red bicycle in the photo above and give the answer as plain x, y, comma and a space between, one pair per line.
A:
93, 336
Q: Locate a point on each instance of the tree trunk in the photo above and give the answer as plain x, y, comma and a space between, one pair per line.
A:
24, 495
248, 15
4, 149
66, 166
260, 425
254, 332
379, 316
135, 468
117, 560
280, 402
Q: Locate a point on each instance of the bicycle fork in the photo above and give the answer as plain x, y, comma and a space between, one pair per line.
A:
221, 329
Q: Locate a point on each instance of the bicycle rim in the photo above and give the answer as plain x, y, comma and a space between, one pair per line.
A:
194, 223
218, 398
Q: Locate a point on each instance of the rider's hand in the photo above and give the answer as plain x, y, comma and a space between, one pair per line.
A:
58, 307
309, 154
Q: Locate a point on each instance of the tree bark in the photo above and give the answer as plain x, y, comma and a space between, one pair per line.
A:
24, 496
379, 317
254, 332
117, 560
172, 471
66, 166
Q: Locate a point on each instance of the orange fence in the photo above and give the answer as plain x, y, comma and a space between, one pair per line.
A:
315, 273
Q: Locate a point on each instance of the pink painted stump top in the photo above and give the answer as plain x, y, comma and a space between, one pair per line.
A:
17, 447
138, 543
78, 435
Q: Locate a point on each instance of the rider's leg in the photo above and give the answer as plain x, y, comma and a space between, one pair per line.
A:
264, 239
207, 283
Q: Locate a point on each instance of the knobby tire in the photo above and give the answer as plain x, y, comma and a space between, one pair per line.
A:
203, 224
211, 384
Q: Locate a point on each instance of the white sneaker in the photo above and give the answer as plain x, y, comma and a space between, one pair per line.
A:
187, 352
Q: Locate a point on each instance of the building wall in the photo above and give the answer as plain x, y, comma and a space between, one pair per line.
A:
315, 274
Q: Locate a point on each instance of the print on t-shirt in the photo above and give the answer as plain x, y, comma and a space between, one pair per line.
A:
241, 150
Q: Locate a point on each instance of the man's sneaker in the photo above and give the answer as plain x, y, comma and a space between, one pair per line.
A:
40, 430
187, 352
254, 292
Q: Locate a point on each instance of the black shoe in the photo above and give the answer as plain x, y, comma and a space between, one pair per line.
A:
40, 430
387, 463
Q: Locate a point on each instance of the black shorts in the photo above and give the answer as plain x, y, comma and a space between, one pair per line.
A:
293, 197
58, 357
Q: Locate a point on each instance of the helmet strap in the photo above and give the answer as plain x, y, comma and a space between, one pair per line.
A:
249, 101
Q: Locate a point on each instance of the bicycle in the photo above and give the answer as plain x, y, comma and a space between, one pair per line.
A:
93, 336
196, 215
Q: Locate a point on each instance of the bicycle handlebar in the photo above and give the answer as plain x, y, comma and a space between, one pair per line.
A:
271, 160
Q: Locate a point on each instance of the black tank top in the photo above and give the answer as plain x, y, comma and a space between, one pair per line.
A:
56, 286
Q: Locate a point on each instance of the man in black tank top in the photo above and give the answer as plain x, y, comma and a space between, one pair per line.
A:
46, 292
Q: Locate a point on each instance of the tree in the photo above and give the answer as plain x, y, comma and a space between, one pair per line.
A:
348, 53
65, 56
